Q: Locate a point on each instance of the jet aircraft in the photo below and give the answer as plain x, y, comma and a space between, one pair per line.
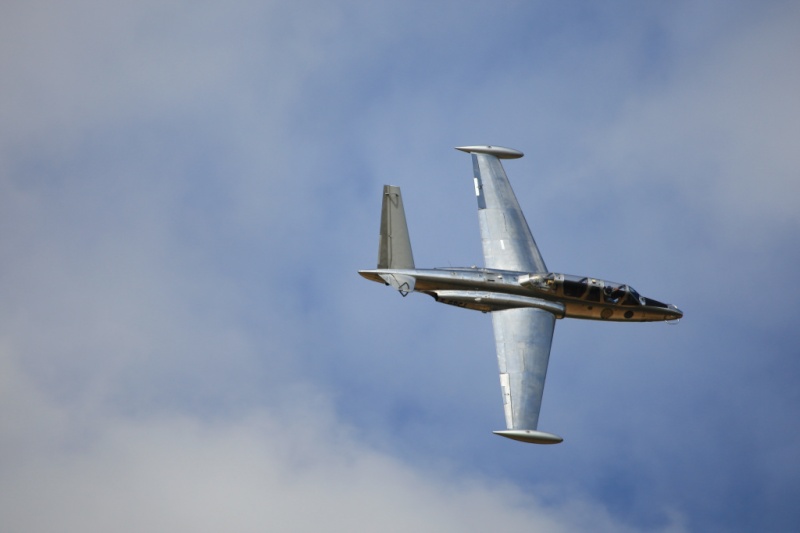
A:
522, 295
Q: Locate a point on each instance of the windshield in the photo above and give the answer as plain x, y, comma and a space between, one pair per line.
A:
586, 289
592, 289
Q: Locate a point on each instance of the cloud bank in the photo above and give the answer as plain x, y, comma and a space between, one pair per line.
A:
187, 190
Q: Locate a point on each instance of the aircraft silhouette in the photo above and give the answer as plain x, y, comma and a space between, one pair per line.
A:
523, 297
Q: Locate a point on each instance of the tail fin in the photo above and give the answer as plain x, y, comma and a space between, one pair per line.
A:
394, 248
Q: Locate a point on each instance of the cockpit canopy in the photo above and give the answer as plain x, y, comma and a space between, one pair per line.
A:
586, 289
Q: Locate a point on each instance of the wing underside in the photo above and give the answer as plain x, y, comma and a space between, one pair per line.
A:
522, 338
507, 240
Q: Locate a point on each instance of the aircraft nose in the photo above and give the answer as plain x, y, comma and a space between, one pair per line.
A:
674, 313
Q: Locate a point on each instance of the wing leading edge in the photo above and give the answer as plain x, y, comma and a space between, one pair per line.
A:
522, 336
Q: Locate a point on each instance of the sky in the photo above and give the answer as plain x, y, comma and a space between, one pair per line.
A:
187, 190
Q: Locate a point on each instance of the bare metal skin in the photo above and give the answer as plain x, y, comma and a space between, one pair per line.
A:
523, 297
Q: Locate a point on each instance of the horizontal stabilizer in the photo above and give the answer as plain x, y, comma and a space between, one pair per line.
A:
529, 435
394, 247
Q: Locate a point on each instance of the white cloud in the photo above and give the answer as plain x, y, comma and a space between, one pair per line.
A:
301, 470
722, 127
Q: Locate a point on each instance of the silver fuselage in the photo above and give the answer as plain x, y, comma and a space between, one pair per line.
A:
484, 289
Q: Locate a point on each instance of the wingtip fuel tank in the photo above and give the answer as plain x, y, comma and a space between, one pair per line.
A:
499, 152
529, 435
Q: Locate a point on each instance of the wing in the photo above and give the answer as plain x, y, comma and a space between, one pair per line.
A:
507, 240
522, 336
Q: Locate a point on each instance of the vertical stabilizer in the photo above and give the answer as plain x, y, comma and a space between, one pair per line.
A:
394, 248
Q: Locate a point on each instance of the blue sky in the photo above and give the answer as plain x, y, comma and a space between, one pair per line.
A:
188, 188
